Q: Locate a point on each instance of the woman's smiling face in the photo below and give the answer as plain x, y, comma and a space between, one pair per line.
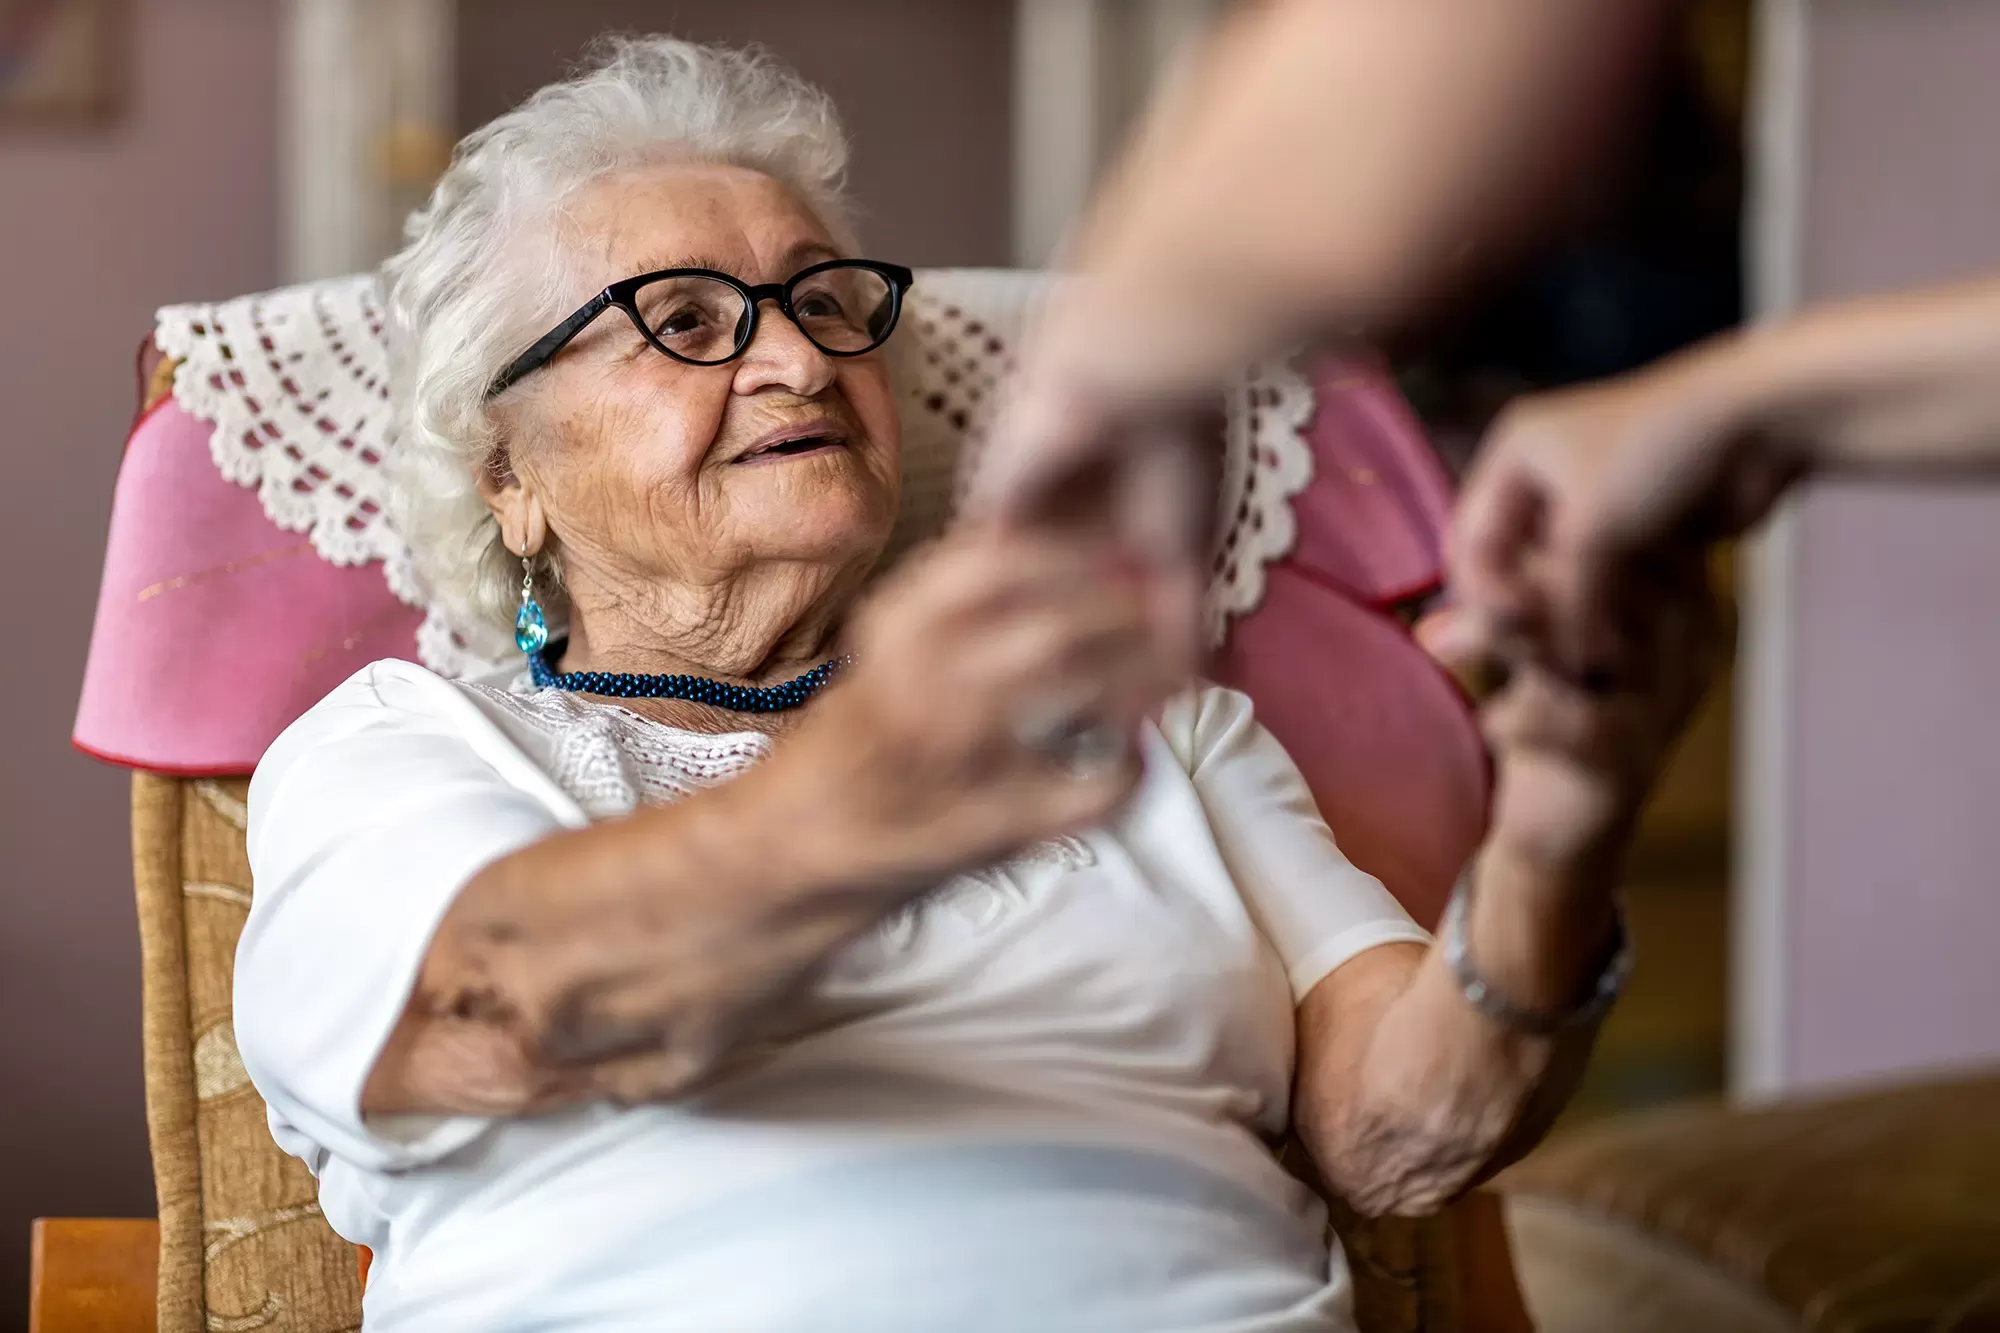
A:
720, 496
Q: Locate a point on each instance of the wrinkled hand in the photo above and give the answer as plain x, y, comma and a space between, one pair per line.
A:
969, 644
1574, 760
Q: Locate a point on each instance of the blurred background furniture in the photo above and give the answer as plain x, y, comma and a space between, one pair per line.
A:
1870, 1212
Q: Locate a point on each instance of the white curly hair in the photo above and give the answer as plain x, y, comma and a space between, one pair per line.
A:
461, 305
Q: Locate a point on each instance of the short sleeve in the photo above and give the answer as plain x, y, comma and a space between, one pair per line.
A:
365, 821
1314, 906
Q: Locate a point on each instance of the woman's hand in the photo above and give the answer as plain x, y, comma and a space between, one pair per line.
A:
636, 959
926, 748
1575, 756
1408, 1093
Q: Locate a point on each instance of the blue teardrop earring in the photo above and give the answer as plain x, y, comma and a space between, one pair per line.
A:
531, 628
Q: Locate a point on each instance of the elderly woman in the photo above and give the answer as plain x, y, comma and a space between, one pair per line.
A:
655, 986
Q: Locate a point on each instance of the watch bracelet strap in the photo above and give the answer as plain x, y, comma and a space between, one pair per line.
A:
1483, 996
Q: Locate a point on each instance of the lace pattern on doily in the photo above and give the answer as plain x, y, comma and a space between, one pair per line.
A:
950, 376
443, 647
1266, 462
949, 358
296, 382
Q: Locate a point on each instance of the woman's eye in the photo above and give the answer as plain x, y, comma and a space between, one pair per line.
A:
684, 320
818, 305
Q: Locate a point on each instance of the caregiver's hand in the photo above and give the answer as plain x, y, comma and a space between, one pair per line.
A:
1321, 167
1576, 494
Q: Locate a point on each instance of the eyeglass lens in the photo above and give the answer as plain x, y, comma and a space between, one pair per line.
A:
842, 310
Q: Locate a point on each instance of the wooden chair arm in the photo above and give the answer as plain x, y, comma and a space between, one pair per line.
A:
93, 1275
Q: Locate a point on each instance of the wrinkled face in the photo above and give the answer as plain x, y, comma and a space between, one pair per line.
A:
767, 480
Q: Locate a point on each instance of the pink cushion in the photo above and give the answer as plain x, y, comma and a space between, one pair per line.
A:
1372, 522
1384, 738
215, 627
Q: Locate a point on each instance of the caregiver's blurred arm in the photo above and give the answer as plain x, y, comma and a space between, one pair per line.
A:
1324, 165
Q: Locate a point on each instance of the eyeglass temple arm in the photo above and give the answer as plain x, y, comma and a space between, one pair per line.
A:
550, 343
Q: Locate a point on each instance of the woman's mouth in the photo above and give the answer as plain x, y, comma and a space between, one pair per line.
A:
792, 444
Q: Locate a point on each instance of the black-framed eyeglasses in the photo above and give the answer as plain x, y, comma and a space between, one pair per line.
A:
845, 307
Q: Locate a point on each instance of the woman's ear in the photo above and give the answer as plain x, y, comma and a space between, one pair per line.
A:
516, 507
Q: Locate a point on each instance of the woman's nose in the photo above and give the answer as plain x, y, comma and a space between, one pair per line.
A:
781, 356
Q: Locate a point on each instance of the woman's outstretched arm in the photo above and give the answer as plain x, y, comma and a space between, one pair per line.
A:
633, 959
1412, 1087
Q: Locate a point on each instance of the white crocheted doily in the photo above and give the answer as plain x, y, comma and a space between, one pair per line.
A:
297, 384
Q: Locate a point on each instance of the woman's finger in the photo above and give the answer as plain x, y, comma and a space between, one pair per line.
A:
1540, 712
1079, 798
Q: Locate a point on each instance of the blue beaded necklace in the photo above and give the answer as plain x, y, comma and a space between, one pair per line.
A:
696, 689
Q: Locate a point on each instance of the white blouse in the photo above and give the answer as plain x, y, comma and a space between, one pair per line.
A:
1039, 1099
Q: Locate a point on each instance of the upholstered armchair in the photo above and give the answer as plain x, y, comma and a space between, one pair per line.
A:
249, 529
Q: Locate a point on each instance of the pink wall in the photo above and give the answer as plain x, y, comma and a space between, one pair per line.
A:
175, 201
1893, 883
925, 87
